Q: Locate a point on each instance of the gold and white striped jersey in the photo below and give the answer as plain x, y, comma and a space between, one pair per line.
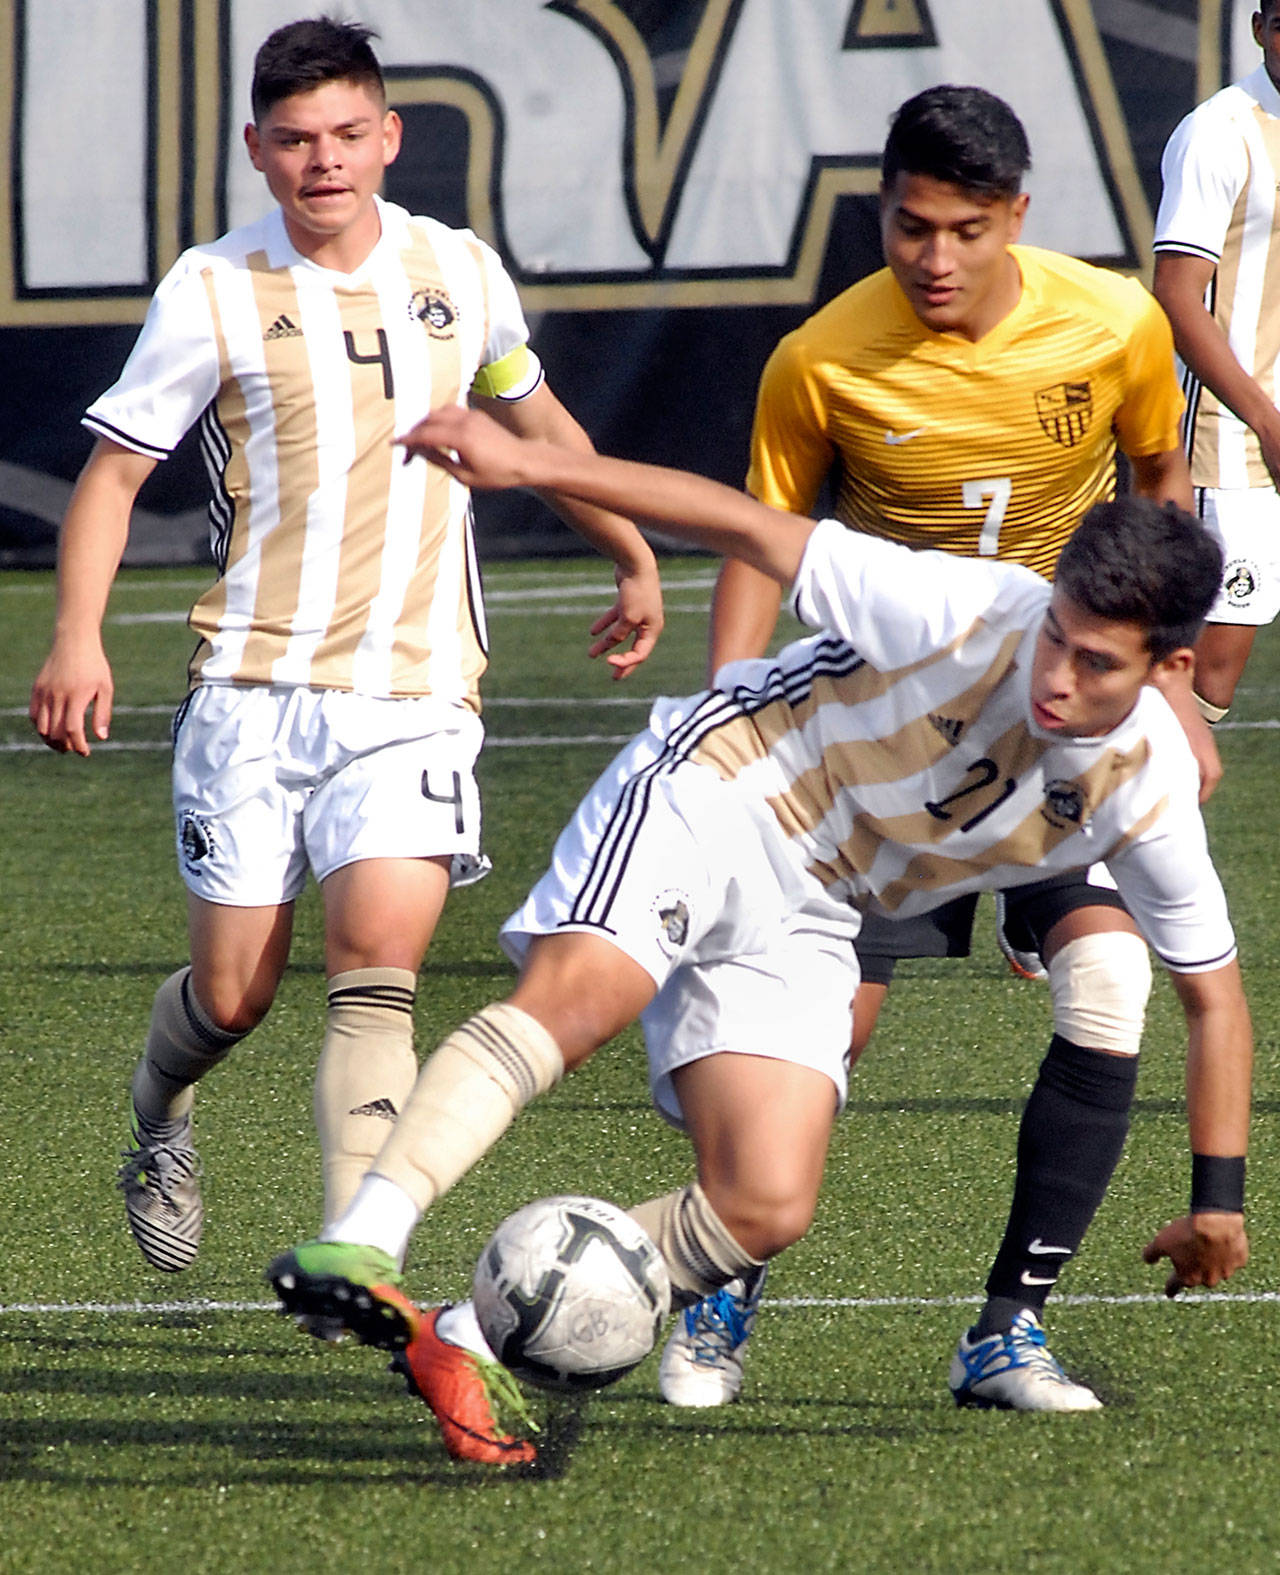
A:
1220, 168
340, 567
894, 757
990, 449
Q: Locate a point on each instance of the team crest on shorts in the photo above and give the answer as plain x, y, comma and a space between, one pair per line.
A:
1063, 805
435, 311
1240, 581
672, 909
195, 840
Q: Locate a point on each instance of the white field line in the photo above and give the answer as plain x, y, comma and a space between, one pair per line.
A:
513, 702
850, 1303
152, 745
548, 610
493, 741
494, 589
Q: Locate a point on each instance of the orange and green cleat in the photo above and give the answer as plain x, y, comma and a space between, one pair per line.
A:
340, 1285
466, 1393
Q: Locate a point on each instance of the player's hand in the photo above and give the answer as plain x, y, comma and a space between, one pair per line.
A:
636, 616
67, 688
1203, 1249
1269, 442
1208, 761
471, 446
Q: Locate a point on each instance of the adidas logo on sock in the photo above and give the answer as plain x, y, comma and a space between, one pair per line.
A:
382, 1108
949, 727
283, 328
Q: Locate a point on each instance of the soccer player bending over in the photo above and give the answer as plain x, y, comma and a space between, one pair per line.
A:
971, 396
711, 880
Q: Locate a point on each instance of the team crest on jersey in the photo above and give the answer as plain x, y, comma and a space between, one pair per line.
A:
435, 310
1065, 411
1063, 805
1240, 582
195, 840
672, 909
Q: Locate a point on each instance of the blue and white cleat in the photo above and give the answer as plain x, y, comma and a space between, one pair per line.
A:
1015, 1372
702, 1362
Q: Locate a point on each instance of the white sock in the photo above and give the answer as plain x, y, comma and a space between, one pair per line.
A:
380, 1215
460, 1326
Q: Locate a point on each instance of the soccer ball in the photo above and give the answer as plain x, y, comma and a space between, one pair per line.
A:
570, 1293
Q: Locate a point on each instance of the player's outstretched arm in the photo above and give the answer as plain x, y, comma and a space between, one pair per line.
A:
76, 675
702, 513
1208, 1245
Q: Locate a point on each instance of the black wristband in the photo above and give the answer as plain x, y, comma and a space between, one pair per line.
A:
1217, 1184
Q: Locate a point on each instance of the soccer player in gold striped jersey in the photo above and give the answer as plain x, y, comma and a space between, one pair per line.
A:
333, 715
971, 396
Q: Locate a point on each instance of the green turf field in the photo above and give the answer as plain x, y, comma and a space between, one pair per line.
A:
172, 1423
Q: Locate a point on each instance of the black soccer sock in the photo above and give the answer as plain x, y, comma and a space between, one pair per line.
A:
1072, 1134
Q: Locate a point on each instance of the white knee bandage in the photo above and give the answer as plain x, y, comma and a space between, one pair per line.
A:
1100, 984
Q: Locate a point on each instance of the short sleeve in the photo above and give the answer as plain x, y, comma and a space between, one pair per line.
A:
172, 373
791, 453
1149, 418
1204, 169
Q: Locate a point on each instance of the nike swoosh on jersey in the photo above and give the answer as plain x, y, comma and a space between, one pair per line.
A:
1040, 1250
1035, 1279
903, 437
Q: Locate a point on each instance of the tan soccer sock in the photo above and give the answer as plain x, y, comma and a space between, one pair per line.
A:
367, 1067
699, 1252
467, 1095
183, 1043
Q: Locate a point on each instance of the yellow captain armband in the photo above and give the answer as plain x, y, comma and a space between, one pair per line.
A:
513, 376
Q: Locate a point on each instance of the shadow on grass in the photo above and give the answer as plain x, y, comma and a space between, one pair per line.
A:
454, 968
186, 1448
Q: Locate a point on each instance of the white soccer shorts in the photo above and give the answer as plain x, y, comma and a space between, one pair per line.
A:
1246, 523
676, 869
272, 781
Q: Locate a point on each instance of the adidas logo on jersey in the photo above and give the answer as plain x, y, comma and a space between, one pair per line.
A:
283, 328
950, 727
382, 1108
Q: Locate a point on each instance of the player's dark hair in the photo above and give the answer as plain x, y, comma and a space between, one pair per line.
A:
304, 55
1137, 561
962, 135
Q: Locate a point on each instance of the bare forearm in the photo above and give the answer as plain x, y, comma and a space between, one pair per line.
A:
91, 544
1205, 349
1179, 285
542, 417
1164, 478
1219, 1060
1219, 1073
744, 614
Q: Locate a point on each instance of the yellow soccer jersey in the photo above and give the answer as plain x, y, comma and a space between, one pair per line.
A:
993, 449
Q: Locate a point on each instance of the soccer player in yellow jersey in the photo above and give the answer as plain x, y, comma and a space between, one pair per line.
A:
333, 714
971, 396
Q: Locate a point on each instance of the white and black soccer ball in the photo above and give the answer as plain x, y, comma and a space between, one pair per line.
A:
570, 1293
